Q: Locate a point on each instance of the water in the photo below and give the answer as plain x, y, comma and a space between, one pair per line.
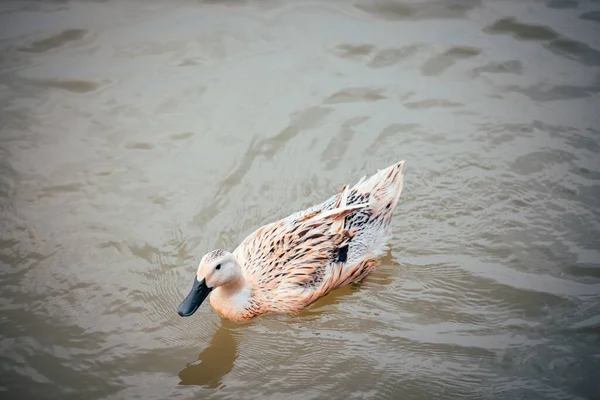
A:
138, 135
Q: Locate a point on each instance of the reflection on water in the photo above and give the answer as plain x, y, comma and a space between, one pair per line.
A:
214, 362
136, 136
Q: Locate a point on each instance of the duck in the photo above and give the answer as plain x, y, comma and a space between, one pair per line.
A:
285, 266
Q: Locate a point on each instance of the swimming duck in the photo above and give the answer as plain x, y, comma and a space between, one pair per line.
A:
285, 266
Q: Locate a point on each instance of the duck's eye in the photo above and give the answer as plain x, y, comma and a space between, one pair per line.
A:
218, 266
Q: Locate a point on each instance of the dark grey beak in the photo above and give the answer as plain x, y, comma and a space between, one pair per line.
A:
194, 298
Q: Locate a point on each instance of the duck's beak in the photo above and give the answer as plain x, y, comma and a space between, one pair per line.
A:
194, 298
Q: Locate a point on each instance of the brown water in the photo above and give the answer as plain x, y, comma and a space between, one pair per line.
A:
137, 135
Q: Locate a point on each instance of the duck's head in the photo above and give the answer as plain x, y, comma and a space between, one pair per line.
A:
217, 268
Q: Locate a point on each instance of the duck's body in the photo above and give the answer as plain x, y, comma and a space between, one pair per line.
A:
285, 266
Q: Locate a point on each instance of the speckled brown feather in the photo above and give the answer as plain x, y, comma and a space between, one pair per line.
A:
282, 254
339, 277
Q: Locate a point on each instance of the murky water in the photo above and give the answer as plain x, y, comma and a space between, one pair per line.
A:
137, 135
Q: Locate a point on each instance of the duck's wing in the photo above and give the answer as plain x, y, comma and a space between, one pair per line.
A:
297, 252
326, 205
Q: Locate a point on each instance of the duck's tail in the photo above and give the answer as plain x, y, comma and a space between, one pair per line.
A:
383, 189
382, 192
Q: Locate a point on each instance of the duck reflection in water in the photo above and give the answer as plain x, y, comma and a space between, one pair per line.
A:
218, 359
215, 361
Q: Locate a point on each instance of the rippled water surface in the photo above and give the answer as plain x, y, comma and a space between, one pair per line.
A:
137, 135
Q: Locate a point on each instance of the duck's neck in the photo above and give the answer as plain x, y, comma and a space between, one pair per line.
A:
232, 300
